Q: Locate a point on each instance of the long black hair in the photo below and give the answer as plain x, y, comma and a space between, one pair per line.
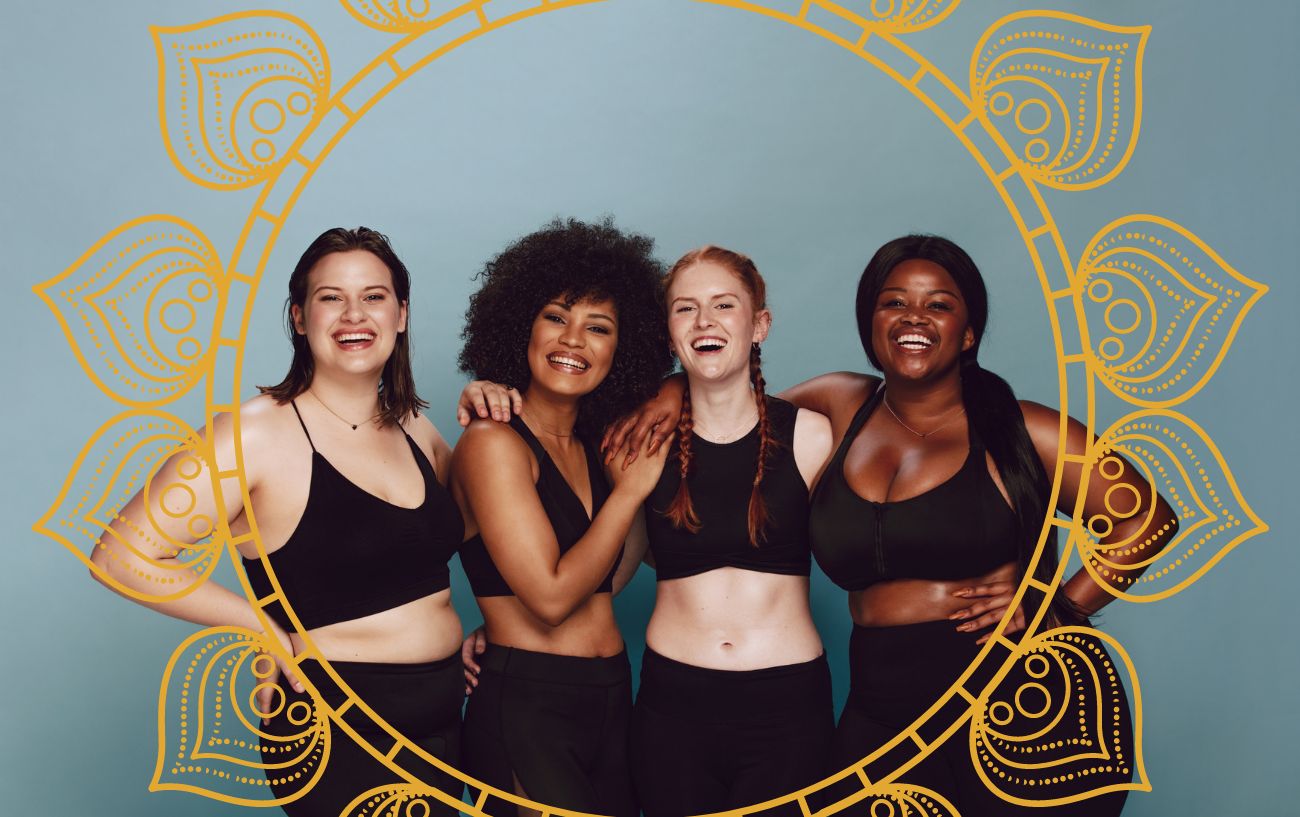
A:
991, 406
397, 397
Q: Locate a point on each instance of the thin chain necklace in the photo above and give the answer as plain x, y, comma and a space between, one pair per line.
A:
960, 411
743, 425
340, 416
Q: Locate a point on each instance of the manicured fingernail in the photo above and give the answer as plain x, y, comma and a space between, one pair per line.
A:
957, 615
965, 591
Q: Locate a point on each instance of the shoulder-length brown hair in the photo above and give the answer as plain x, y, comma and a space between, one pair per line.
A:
397, 397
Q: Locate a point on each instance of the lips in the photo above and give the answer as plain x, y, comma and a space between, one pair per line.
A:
708, 344
914, 341
354, 340
568, 362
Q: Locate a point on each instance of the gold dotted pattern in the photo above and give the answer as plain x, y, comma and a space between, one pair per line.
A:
206, 702
111, 306
219, 73
1193, 304
1083, 74
1086, 750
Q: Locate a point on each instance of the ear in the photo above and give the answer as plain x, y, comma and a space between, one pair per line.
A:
295, 313
401, 319
762, 324
967, 339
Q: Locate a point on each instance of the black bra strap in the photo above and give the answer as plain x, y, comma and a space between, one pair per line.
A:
304, 425
860, 419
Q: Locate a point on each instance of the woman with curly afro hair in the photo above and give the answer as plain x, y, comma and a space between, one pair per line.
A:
571, 317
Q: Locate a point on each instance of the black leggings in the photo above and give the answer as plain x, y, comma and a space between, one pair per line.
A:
422, 701
898, 672
552, 728
706, 740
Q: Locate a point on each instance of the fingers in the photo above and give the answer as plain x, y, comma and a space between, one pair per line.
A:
661, 434
616, 437
1014, 625
516, 400
989, 589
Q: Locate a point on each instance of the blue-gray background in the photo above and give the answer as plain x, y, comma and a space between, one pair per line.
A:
692, 123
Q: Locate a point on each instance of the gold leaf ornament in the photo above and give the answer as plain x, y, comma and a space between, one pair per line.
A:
398, 800
1063, 92
1161, 309
237, 94
120, 459
399, 16
893, 16
1052, 730
139, 308
210, 737
1177, 457
902, 800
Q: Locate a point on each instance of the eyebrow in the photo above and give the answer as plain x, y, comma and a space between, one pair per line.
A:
567, 308
713, 297
340, 289
931, 292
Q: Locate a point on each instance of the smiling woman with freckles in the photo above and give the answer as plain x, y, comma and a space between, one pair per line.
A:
345, 478
929, 513
570, 316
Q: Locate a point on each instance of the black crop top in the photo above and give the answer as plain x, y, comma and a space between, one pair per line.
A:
353, 554
563, 508
721, 479
959, 529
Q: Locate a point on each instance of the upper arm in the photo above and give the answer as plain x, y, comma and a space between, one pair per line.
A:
493, 477
812, 444
635, 549
830, 393
1114, 489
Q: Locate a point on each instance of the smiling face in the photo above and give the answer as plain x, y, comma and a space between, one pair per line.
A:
919, 326
571, 348
351, 316
712, 321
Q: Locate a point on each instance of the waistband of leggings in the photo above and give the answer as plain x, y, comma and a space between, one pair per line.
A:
673, 688
513, 662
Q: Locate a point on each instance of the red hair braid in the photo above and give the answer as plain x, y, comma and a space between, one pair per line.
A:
681, 512
757, 505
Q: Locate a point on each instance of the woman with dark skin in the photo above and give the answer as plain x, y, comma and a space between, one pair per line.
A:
571, 314
931, 509
345, 478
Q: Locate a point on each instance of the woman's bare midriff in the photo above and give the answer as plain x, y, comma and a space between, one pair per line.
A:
734, 619
589, 632
426, 629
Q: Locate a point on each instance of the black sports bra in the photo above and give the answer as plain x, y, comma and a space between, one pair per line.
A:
563, 508
353, 554
956, 530
721, 480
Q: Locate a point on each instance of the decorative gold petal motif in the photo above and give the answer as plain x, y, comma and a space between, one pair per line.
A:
399, 16
398, 800
1183, 464
1064, 93
1051, 731
138, 309
122, 458
902, 800
210, 739
893, 16
236, 94
1161, 308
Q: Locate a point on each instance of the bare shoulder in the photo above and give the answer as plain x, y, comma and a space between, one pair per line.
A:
1045, 426
484, 440
812, 429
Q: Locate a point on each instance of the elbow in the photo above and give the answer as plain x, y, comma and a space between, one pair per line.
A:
552, 611
101, 563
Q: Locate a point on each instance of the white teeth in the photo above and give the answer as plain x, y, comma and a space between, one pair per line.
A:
914, 340
354, 336
708, 343
565, 360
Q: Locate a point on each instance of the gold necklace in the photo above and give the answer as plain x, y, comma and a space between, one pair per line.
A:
340, 416
960, 411
543, 427
743, 425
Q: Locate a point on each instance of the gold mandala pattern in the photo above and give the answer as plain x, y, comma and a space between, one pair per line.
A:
1052, 100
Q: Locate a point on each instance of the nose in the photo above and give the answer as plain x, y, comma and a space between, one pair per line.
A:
703, 318
573, 335
915, 315
352, 311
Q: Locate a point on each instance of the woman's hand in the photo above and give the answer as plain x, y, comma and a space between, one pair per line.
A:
284, 669
989, 604
483, 399
475, 643
655, 420
639, 475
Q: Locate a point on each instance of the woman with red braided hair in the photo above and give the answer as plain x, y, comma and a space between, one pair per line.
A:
734, 706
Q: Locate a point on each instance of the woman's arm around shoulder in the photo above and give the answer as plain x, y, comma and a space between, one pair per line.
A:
812, 444
832, 394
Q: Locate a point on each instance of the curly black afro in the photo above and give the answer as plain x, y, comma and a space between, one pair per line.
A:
576, 261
